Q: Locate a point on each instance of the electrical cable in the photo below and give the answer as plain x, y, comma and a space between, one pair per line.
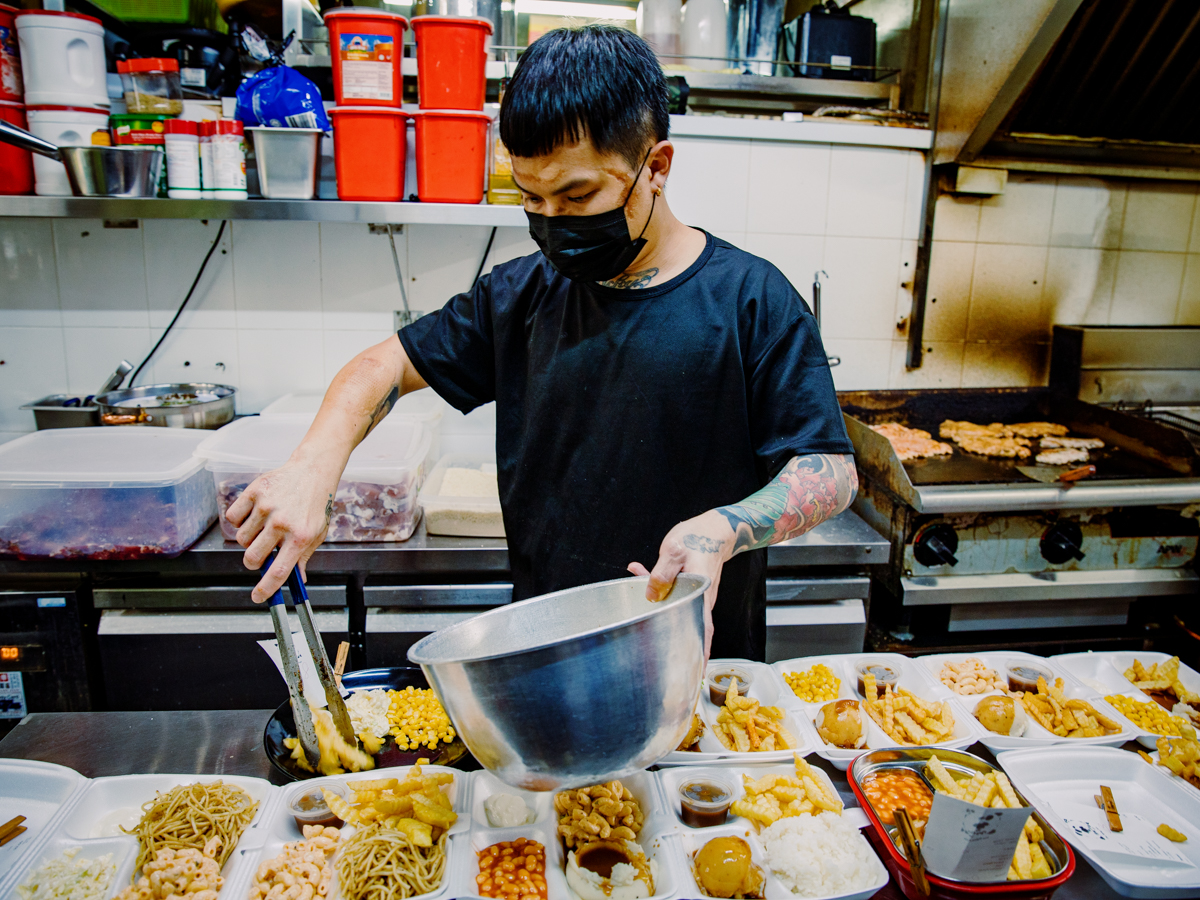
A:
179, 312
483, 262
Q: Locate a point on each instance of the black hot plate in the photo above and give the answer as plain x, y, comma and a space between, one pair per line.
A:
281, 725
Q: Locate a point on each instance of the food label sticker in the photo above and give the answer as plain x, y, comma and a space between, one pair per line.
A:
1088, 827
367, 70
12, 696
969, 842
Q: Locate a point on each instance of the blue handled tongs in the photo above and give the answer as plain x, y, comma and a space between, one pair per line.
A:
305, 729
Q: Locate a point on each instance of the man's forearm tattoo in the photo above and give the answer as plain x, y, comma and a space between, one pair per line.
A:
701, 543
384, 407
809, 490
329, 510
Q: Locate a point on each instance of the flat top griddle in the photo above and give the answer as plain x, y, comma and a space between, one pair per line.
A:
1134, 448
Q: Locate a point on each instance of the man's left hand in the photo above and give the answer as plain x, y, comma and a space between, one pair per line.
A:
700, 546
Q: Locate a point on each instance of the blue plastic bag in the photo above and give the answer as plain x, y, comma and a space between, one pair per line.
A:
280, 97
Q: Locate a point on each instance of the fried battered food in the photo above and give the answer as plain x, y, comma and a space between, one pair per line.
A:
1181, 756
337, 756
691, 740
1171, 834
994, 790
1038, 429
416, 806
745, 726
301, 871
1073, 443
774, 797
971, 676
605, 812
1062, 457
840, 723
912, 443
1162, 679
1052, 710
906, 718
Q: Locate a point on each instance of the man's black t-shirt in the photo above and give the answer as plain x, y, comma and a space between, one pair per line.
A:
620, 413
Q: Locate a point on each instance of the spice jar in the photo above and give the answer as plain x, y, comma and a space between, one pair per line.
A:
181, 139
228, 160
151, 86
208, 178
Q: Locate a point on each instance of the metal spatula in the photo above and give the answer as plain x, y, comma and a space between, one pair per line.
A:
1063, 476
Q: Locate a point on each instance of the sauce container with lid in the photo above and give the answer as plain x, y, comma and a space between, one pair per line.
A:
717, 678
1023, 676
151, 86
308, 807
704, 801
884, 675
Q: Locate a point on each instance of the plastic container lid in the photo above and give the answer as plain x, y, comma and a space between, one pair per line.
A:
425, 406
181, 126
95, 457
370, 110
259, 444
450, 20
229, 126
90, 110
147, 65
58, 12
360, 12
432, 493
208, 128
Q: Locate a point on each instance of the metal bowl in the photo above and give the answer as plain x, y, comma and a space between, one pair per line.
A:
151, 406
575, 687
113, 171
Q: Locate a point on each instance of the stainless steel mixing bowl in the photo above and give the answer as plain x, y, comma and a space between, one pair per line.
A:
96, 171
575, 687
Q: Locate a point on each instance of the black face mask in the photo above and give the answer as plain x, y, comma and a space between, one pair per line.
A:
590, 248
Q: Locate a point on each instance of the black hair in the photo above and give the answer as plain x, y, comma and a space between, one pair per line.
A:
597, 81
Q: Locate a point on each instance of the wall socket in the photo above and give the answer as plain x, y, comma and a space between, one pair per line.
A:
400, 318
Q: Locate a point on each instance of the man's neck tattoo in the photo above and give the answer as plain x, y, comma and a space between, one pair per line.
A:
632, 280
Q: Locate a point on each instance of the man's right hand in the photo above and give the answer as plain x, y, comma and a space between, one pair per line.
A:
288, 508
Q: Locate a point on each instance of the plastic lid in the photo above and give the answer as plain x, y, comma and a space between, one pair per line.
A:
58, 12
229, 126
363, 12
146, 456
12, 104
277, 128
181, 126
153, 118
456, 20
261, 443
93, 110
372, 110
449, 114
425, 406
153, 64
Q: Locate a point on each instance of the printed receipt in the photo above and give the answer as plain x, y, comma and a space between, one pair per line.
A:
1088, 826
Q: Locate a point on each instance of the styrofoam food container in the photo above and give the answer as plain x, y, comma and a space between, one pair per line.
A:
62, 58
66, 127
131, 492
768, 689
912, 676
376, 498
465, 516
289, 161
39, 791
1061, 786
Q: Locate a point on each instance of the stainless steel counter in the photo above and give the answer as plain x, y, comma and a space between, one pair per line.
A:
229, 742
844, 541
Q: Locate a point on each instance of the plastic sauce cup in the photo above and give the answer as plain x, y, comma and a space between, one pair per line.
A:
309, 807
704, 802
718, 682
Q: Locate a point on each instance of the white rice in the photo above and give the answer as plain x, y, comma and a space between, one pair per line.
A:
816, 856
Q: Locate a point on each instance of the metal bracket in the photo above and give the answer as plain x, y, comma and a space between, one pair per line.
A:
386, 229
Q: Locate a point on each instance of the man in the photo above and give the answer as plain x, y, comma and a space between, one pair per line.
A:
649, 379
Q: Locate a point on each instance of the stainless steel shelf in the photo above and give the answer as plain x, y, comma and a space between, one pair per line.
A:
295, 210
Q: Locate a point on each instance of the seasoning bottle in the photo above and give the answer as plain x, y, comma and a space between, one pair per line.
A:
181, 141
229, 160
208, 179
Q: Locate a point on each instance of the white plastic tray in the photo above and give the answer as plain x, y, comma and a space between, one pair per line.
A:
40, 792
1106, 670
769, 689
93, 821
1062, 785
280, 827
1035, 735
912, 677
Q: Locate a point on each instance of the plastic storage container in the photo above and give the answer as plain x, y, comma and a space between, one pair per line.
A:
366, 46
65, 126
370, 150
16, 165
12, 87
62, 58
376, 499
451, 155
103, 493
151, 86
467, 505
289, 161
451, 61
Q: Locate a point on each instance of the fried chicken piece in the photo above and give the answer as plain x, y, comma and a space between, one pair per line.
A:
691, 740
1062, 457
912, 443
1038, 429
986, 440
1054, 443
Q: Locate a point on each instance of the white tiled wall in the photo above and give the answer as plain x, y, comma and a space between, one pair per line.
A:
284, 305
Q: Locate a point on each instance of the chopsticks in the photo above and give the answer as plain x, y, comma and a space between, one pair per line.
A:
11, 829
912, 850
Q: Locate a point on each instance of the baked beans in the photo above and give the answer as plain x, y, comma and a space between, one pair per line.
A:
513, 870
888, 791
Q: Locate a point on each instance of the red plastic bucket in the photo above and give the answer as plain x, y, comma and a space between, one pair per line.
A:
451, 152
16, 165
366, 46
370, 148
451, 61
11, 88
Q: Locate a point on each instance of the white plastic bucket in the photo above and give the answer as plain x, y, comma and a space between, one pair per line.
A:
62, 59
65, 127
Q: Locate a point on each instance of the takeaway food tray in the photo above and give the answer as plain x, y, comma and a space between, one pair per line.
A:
40, 792
911, 675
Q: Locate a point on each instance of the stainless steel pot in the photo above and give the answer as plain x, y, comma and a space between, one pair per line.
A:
168, 405
96, 171
575, 687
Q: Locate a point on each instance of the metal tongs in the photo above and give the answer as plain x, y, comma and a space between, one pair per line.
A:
305, 729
